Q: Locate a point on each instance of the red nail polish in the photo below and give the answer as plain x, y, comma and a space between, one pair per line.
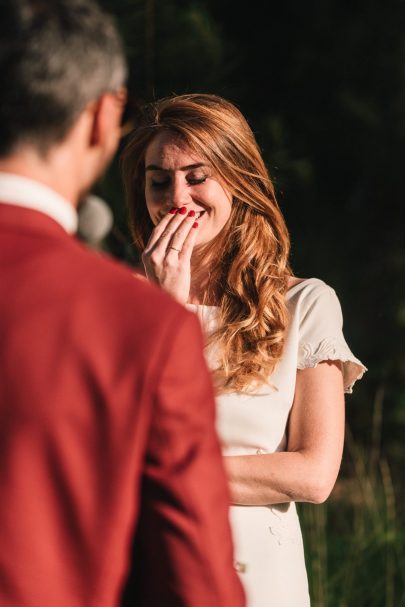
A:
191, 213
173, 211
182, 211
195, 225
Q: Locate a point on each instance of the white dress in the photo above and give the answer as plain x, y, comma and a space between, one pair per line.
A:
268, 542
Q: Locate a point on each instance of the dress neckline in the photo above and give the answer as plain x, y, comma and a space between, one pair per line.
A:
288, 294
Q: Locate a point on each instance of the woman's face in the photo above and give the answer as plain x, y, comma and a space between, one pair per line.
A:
175, 176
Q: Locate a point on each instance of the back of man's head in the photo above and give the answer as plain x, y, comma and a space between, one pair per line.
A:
55, 57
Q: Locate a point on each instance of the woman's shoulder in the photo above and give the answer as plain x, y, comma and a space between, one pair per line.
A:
313, 300
305, 287
317, 312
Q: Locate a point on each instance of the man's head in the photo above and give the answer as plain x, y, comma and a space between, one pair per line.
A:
56, 58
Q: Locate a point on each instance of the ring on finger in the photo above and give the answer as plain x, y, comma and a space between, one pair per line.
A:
174, 248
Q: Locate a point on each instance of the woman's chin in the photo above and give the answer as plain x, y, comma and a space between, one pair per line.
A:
203, 239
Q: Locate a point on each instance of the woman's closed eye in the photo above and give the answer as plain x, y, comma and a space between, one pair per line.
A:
157, 184
196, 179
160, 184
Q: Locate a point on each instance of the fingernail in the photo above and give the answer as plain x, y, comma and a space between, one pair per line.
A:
195, 225
182, 211
191, 214
173, 211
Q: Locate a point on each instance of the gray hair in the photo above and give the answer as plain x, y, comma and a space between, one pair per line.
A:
55, 57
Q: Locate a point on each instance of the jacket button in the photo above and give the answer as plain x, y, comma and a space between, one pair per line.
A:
240, 567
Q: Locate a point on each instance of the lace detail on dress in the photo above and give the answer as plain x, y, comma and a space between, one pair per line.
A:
331, 348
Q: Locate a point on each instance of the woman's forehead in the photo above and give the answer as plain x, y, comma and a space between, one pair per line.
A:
170, 150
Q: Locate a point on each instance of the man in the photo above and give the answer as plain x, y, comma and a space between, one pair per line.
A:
106, 406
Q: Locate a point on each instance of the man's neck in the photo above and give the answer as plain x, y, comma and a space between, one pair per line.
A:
50, 171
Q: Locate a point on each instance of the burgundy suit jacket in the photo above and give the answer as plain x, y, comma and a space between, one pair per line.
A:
106, 435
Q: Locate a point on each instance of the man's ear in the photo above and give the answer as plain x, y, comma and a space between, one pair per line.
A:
100, 120
106, 113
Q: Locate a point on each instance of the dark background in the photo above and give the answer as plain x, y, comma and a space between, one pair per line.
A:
322, 85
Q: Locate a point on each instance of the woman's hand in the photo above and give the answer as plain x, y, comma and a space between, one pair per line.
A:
167, 255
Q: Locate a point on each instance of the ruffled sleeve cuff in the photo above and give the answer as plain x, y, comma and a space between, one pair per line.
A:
332, 349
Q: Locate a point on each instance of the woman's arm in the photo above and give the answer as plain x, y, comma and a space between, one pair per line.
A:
307, 471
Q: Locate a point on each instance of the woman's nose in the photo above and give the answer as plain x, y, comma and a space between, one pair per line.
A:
179, 194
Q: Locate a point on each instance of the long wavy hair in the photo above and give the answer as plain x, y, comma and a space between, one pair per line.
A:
248, 260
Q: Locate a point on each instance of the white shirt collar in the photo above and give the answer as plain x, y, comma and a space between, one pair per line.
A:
30, 194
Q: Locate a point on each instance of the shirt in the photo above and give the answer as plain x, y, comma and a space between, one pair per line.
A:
30, 194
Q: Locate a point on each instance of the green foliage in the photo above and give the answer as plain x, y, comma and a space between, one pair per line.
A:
172, 46
355, 543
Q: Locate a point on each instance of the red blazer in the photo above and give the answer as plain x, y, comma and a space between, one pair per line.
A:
106, 421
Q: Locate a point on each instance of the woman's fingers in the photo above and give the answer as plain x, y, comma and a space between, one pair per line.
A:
181, 233
161, 227
170, 233
183, 242
167, 256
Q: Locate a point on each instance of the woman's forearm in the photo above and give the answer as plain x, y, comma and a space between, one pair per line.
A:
275, 478
306, 472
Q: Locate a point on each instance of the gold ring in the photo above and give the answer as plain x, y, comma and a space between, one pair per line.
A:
178, 250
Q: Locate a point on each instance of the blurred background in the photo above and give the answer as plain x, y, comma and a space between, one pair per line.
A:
322, 85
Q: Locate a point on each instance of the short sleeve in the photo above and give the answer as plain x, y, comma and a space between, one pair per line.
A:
321, 334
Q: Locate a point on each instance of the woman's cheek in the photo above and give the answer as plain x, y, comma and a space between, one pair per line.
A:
152, 211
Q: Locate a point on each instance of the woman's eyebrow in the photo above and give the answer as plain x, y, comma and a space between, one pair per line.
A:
189, 167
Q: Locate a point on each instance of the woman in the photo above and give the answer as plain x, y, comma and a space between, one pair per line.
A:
205, 219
